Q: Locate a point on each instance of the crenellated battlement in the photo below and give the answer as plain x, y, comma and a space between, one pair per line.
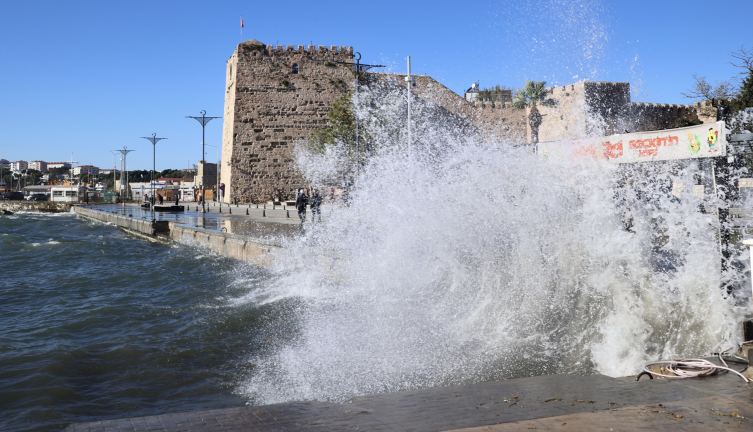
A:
668, 107
309, 49
254, 48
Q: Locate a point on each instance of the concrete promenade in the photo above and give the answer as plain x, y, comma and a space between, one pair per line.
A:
259, 251
558, 402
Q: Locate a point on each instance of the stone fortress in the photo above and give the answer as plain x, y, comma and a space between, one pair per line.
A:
276, 96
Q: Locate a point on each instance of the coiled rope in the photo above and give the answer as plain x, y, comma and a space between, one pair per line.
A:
689, 368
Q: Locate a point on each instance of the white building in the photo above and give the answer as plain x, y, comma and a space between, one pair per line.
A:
67, 193
65, 165
38, 165
19, 166
105, 171
85, 169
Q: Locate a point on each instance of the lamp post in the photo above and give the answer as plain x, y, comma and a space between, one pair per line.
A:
357, 69
411, 82
70, 176
203, 120
217, 182
123, 170
153, 139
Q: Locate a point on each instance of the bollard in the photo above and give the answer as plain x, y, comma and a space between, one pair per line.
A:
749, 243
264, 213
257, 206
273, 206
230, 209
246, 212
220, 209
748, 325
288, 213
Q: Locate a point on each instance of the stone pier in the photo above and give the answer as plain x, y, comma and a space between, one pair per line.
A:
256, 251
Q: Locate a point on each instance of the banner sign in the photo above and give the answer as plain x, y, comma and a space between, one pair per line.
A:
693, 142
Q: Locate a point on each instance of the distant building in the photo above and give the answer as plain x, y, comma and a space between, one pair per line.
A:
19, 166
207, 174
67, 193
85, 169
4, 163
471, 94
65, 165
38, 165
105, 171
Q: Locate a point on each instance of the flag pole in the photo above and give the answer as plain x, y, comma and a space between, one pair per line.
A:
241, 28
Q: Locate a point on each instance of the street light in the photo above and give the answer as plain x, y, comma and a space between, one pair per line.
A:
123, 169
217, 182
411, 82
357, 69
203, 120
153, 139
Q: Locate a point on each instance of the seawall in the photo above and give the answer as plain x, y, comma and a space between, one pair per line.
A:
256, 251
36, 206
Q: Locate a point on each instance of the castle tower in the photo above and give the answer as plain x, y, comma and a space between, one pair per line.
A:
274, 97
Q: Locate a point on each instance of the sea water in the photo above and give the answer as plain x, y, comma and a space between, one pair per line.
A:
96, 324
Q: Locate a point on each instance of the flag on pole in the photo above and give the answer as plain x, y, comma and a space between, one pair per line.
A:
242, 22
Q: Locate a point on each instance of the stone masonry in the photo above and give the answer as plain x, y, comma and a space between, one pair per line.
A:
589, 108
275, 97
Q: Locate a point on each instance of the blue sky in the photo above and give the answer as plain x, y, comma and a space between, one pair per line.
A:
86, 77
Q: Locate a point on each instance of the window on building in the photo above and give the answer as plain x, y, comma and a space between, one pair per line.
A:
295, 68
70, 193
57, 193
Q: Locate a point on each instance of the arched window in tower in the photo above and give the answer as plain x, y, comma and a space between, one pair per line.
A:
295, 68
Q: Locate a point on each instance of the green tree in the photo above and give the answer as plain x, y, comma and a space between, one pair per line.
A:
533, 93
495, 95
341, 128
744, 98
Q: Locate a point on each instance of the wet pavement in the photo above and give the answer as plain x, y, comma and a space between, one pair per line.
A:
258, 223
556, 402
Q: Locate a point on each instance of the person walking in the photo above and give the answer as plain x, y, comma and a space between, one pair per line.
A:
316, 204
300, 203
176, 199
160, 199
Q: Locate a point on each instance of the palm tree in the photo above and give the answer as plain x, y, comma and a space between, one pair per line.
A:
533, 92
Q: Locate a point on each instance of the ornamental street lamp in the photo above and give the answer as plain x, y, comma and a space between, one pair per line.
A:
123, 170
153, 139
411, 82
203, 120
357, 69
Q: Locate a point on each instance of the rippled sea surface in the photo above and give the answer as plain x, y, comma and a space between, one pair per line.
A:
95, 324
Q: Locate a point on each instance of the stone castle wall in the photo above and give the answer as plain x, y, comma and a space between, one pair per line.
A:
269, 107
648, 116
497, 120
590, 108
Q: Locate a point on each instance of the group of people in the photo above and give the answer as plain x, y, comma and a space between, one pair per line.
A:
315, 202
148, 199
